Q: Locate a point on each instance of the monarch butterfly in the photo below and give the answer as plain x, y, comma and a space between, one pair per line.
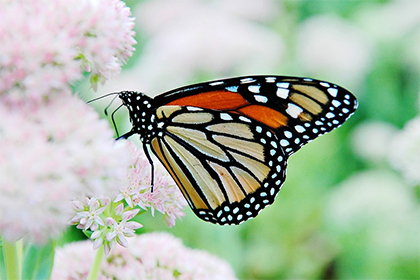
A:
226, 143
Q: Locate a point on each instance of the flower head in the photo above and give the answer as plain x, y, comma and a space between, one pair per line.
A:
405, 151
149, 256
378, 207
48, 157
371, 140
111, 224
164, 196
62, 40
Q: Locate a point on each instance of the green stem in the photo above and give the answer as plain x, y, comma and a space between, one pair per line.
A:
94, 272
12, 259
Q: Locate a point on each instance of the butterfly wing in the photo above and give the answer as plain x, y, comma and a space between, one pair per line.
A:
297, 109
226, 142
228, 166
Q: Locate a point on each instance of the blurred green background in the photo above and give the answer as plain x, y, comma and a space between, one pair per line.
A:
346, 211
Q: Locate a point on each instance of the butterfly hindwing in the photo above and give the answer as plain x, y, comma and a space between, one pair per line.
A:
228, 167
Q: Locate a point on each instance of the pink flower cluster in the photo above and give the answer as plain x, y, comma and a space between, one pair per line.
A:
106, 231
149, 256
49, 155
46, 44
54, 148
111, 225
137, 189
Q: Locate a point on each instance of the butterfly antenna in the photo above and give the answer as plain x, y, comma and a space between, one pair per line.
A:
103, 96
109, 105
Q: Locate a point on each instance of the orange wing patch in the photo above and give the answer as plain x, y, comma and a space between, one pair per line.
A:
235, 103
265, 115
215, 100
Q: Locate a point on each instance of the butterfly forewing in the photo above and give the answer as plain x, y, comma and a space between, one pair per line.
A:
228, 167
226, 143
297, 109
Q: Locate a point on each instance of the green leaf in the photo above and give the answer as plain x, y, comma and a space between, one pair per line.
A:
2, 263
10, 260
38, 261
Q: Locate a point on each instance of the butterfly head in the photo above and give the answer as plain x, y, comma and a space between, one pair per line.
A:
142, 114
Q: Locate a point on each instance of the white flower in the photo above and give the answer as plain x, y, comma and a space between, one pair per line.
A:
49, 155
329, 46
89, 212
390, 21
90, 216
379, 207
149, 256
405, 151
371, 140
119, 230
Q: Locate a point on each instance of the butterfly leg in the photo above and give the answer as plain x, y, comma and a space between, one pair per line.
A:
152, 167
125, 136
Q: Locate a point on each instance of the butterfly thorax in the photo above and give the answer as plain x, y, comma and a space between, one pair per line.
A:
142, 114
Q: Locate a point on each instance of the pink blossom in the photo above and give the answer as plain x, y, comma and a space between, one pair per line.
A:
46, 44
149, 256
90, 216
165, 197
50, 155
112, 225
89, 213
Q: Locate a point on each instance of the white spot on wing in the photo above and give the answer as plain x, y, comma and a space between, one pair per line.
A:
330, 115
216, 83
247, 80
299, 128
332, 92
261, 98
293, 110
284, 142
283, 85
336, 103
225, 116
282, 93
242, 118
254, 89
189, 108
232, 88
